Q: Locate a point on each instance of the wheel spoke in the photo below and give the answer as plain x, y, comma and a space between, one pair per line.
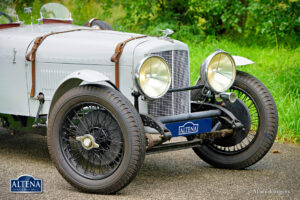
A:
99, 123
69, 130
254, 126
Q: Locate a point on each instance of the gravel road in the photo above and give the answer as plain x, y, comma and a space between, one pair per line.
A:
173, 175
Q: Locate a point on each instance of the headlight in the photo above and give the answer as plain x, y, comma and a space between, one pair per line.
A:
153, 77
218, 71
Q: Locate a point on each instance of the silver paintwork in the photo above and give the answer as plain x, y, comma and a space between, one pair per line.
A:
240, 61
151, 46
81, 77
65, 61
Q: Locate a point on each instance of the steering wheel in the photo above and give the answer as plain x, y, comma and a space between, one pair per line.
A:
8, 17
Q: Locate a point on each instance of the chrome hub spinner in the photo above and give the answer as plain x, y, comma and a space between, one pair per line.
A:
87, 141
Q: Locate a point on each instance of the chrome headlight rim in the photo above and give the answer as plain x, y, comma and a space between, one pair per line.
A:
137, 77
204, 70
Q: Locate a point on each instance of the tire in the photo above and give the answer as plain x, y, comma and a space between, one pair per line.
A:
265, 132
96, 170
102, 25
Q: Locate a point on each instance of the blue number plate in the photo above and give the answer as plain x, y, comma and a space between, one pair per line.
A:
191, 127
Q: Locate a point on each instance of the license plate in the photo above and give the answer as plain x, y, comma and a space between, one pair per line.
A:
191, 127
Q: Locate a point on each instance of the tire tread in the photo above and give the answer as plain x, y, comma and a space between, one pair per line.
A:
135, 124
271, 120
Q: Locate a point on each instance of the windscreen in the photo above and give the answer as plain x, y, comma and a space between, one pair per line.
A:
55, 11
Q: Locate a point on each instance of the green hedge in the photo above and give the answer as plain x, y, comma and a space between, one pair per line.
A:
270, 21
258, 26
274, 21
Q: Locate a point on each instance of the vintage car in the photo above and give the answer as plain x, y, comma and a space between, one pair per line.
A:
107, 98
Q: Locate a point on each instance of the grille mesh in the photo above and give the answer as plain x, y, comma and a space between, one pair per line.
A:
177, 102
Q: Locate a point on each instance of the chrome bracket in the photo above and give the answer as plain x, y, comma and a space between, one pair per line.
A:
87, 141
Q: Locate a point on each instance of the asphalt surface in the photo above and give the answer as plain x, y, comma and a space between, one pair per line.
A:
173, 175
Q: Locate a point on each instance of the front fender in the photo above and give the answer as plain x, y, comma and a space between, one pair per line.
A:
240, 61
90, 76
81, 77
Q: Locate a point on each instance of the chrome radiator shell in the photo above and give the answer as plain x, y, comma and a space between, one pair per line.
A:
176, 102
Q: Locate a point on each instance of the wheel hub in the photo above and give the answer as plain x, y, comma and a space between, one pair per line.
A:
87, 141
241, 112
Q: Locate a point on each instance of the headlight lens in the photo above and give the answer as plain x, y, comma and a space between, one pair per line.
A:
153, 77
218, 71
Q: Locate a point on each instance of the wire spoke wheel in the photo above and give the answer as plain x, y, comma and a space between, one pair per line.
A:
94, 120
254, 126
96, 139
243, 149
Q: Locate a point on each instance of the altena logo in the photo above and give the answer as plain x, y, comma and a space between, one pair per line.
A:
26, 184
188, 128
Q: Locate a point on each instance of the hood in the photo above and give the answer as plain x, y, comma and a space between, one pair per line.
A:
90, 46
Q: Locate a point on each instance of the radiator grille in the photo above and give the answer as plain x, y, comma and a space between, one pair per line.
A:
177, 102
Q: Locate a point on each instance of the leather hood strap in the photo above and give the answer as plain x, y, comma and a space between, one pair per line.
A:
31, 55
118, 52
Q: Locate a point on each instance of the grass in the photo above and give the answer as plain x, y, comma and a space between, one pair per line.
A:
279, 70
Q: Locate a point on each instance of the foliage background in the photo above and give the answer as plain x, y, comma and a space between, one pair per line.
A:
266, 31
